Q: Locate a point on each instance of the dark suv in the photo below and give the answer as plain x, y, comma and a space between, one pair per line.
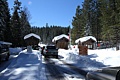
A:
4, 50
49, 50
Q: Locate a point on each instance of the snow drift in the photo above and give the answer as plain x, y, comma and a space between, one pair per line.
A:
26, 67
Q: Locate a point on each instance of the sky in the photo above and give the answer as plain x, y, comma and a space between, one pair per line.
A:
53, 12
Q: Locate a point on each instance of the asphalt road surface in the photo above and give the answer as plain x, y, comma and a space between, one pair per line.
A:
55, 71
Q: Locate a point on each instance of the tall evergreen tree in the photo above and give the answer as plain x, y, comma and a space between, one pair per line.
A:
111, 21
116, 24
4, 19
2, 23
92, 14
15, 23
87, 16
25, 25
8, 26
78, 25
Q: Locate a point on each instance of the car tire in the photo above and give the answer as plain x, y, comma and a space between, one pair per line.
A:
46, 56
56, 56
7, 57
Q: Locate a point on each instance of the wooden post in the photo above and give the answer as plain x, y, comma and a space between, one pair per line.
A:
83, 50
29, 49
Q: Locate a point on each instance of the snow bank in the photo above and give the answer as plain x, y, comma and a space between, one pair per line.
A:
78, 60
108, 57
94, 60
27, 66
15, 50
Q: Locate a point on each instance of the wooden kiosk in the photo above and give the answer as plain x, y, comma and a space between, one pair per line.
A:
31, 40
85, 43
61, 41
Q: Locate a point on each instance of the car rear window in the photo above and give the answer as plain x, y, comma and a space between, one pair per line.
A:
51, 47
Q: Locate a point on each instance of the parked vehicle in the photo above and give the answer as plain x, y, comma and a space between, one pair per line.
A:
111, 73
4, 50
48, 51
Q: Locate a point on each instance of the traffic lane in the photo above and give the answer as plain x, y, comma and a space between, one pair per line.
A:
78, 70
52, 72
61, 71
5, 64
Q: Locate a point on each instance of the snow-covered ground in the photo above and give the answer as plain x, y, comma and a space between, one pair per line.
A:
95, 59
14, 51
28, 66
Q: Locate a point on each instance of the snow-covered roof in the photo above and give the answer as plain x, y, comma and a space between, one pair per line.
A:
7, 43
83, 39
59, 37
32, 34
41, 45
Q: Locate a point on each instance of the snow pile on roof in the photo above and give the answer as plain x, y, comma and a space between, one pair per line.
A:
59, 37
27, 66
83, 39
30, 35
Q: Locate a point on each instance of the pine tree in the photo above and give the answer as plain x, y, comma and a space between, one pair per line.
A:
116, 24
25, 25
15, 23
7, 31
92, 14
87, 17
4, 19
111, 21
2, 27
78, 25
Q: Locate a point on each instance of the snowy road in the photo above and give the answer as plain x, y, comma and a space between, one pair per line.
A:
32, 66
52, 71
57, 70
